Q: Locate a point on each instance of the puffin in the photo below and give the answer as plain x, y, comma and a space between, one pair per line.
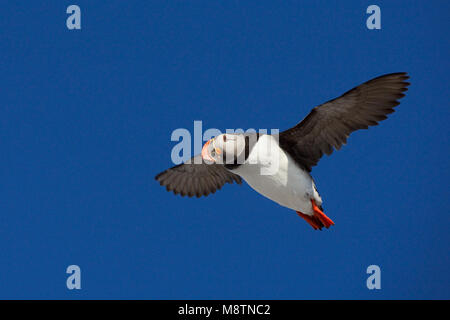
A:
278, 166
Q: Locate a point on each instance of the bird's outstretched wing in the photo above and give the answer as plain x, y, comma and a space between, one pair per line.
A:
327, 126
198, 180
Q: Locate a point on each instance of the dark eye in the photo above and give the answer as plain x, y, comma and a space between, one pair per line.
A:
224, 138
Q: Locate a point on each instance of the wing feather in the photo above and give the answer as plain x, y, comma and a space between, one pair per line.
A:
192, 179
328, 125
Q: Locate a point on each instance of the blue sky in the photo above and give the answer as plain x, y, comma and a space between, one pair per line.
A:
85, 124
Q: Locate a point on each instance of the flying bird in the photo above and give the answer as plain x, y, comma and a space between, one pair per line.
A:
278, 166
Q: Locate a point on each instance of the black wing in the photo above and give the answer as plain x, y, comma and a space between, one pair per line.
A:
198, 180
328, 126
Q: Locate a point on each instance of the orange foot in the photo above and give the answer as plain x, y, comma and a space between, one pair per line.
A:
318, 220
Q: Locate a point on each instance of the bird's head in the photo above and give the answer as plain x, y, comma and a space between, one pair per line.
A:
225, 148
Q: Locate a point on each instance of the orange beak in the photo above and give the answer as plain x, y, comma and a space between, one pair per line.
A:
205, 152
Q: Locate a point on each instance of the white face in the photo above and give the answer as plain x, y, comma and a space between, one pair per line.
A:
231, 145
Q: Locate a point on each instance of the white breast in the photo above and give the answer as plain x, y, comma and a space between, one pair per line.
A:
274, 174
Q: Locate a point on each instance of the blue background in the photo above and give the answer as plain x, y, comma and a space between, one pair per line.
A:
85, 124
